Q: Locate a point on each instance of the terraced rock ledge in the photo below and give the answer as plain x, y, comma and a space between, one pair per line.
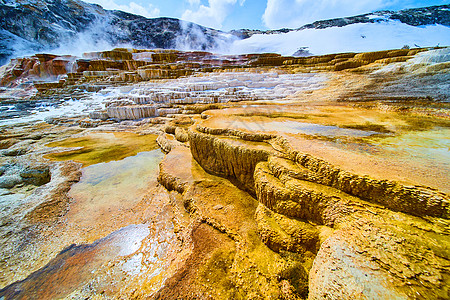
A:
279, 177
347, 235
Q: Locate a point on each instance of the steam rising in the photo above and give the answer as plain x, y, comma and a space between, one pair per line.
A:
110, 29
95, 38
193, 37
107, 30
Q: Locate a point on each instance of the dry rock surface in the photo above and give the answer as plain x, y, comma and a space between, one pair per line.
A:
160, 174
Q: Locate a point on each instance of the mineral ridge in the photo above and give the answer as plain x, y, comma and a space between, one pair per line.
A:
163, 174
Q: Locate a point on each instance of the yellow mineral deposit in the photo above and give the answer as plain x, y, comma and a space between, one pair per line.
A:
256, 176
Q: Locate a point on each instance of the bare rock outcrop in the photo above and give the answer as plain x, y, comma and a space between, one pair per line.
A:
167, 142
228, 156
181, 135
227, 259
134, 112
364, 235
354, 251
301, 199
282, 233
414, 200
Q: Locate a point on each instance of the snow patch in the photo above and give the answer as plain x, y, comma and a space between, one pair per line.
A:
362, 37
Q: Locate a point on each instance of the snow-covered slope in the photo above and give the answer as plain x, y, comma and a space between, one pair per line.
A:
74, 27
381, 30
358, 37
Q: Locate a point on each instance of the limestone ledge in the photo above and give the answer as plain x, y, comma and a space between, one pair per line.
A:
240, 266
229, 156
312, 208
414, 200
167, 142
120, 66
234, 154
281, 233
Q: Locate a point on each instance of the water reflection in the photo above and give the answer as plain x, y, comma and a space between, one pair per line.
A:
105, 189
76, 265
295, 127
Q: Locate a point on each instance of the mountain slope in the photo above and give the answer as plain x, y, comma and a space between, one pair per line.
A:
415, 17
439, 14
73, 27
420, 27
40, 25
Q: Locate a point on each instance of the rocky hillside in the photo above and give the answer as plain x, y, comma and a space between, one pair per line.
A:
382, 30
27, 26
414, 17
73, 26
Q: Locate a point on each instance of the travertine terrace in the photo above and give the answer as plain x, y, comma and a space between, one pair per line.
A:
160, 174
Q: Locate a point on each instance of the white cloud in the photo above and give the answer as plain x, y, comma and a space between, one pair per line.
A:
150, 11
295, 13
194, 2
212, 15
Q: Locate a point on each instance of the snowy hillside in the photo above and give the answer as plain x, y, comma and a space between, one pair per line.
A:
360, 37
74, 27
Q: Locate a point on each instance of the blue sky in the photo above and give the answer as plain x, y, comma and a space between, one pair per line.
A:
258, 14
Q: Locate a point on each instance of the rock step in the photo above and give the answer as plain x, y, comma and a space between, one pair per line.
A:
282, 168
170, 176
228, 156
281, 233
77, 75
134, 112
345, 61
131, 112
166, 142
414, 200
236, 158
302, 199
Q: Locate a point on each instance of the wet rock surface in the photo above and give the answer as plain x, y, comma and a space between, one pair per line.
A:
291, 205
277, 178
